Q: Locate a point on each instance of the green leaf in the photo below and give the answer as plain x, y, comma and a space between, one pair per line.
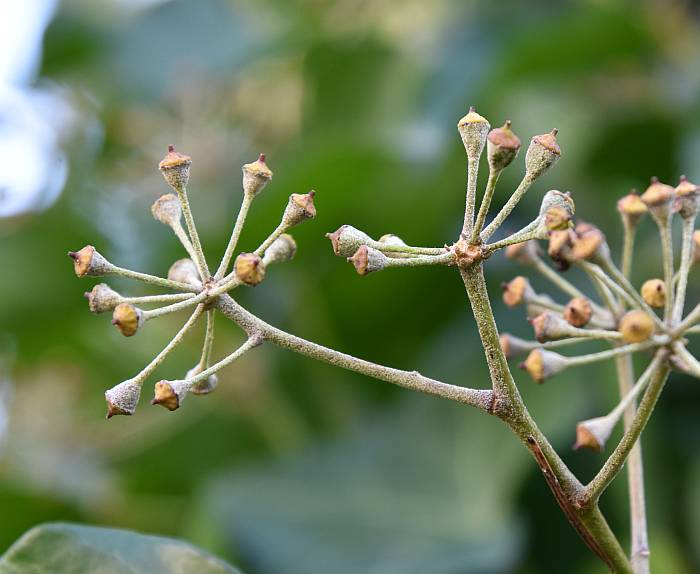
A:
59, 548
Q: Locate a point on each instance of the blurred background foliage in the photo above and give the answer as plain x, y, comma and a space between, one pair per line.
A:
294, 466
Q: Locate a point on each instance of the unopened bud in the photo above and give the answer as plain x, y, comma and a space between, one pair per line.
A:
249, 269
393, 240
202, 387
502, 147
346, 240
578, 312
300, 208
167, 209
170, 394
541, 364
631, 208
636, 326
513, 346
659, 199
593, 433
687, 199
517, 291
527, 252
282, 249
588, 243
185, 271
654, 293
542, 154
549, 327
559, 248
175, 168
89, 263
122, 399
102, 298
368, 260
473, 129
256, 175
127, 319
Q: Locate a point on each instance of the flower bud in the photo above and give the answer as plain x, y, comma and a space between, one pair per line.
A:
578, 312
502, 146
654, 293
636, 326
89, 263
282, 249
473, 129
175, 168
167, 209
300, 208
593, 433
185, 271
659, 199
541, 364
368, 260
391, 239
346, 240
170, 394
517, 291
549, 327
102, 298
249, 269
526, 253
513, 346
559, 249
256, 175
631, 208
202, 387
122, 399
127, 319
543, 153
588, 243
687, 199
556, 211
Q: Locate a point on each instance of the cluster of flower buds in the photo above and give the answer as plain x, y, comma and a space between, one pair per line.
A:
629, 319
193, 286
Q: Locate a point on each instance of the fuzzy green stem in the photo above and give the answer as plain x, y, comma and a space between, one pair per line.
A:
494, 174
199, 259
686, 260
506, 210
152, 279
208, 341
472, 176
235, 235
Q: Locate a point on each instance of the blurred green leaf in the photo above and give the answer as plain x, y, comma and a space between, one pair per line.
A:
73, 549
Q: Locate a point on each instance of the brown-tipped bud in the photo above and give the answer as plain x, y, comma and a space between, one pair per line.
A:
631, 208
300, 208
542, 154
502, 147
513, 346
127, 319
175, 168
346, 240
654, 293
659, 199
102, 298
549, 327
202, 387
636, 326
122, 399
368, 260
541, 364
578, 312
249, 269
167, 209
527, 252
474, 130
256, 175
282, 249
593, 433
185, 271
89, 263
559, 248
687, 199
170, 394
696, 246
588, 243
517, 291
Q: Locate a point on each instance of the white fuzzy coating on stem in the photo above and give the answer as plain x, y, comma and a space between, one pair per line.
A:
235, 235
480, 398
179, 306
200, 260
494, 174
251, 342
491, 228
153, 280
686, 262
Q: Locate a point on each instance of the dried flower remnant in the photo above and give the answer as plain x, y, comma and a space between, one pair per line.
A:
620, 316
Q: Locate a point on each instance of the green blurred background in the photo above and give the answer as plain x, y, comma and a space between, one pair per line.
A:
294, 466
